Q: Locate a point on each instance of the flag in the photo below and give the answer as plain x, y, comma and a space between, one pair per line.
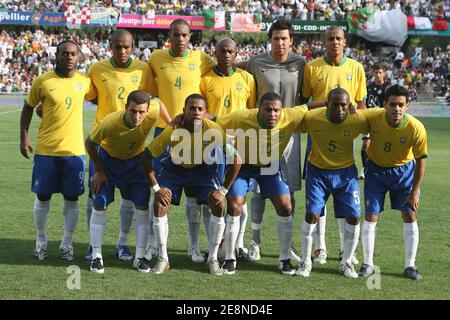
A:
419, 23
440, 25
379, 26
214, 19
78, 15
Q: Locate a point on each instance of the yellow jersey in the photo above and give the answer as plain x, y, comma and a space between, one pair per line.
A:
320, 77
118, 139
228, 93
332, 143
175, 78
113, 84
61, 129
187, 149
395, 146
255, 144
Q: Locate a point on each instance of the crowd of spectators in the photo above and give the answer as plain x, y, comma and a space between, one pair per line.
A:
272, 9
27, 54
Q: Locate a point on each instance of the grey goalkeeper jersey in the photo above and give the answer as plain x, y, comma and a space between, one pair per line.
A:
284, 78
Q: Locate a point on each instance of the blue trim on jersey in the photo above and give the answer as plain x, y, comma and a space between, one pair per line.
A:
379, 180
54, 174
341, 183
126, 175
269, 185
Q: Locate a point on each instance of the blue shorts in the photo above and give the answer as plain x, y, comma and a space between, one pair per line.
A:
269, 185
156, 162
203, 179
341, 183
127, 176
379, 180
52, 174
307, 152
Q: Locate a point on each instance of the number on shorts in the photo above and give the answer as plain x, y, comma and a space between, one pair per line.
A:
356, 197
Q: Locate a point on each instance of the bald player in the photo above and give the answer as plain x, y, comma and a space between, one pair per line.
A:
114, 79
228, 89
323, 74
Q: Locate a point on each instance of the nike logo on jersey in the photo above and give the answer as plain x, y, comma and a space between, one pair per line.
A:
162, 68
104, 79
51, 89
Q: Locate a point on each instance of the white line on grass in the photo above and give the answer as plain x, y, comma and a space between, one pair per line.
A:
10, 111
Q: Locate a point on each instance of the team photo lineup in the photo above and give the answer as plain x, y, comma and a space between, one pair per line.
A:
275, 96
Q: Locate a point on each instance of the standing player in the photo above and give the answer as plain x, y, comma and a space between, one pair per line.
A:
228, 89
334, 70
375, 98
114, 79
187, 167
113, 146
262, 135
331, 170
177, 73
279, 71
396, 163
59, 159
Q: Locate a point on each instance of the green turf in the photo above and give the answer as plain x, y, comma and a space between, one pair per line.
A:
23, 277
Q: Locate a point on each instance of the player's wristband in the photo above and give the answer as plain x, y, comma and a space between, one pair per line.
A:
223, 191
156, 188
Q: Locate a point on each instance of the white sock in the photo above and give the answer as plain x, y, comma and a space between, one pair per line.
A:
206, 210
97, 231
126, 220
341, 225
369, 232
231, 234
41, 209
351, 235
216, 229
151, 242
284, 229
71, 213
161, 230
142, 226
193, 216
307, 239
88, 212
319, 234
411, 237
257, 207
243, 224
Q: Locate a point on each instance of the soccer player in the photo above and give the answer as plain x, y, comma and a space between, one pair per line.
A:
189, 143
331, 170
262, 135
59, 157
375, 98
114, 145
177, 73
321, 76
396, 163
114, 79
279, 71
228, 89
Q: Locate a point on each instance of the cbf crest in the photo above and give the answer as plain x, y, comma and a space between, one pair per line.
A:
134, 79
292, 68
239, 86
79, 86
191, 66
348, 77
347, 133
403, 139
